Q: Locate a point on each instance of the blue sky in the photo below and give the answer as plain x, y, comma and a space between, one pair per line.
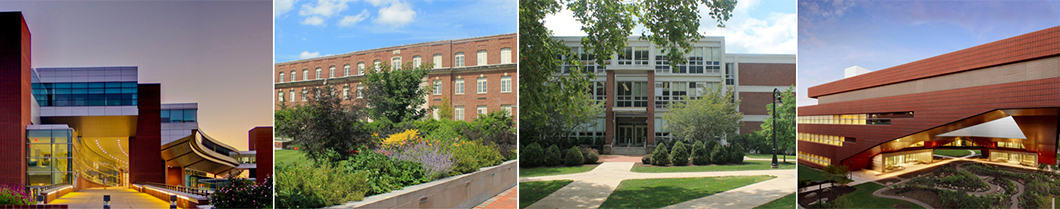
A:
761, 27
312, 28
834, 35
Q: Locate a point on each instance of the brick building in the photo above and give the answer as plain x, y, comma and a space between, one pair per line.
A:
639, 83
477, 74
1000, 98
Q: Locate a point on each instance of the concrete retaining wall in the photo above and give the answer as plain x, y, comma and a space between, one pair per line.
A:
463, 191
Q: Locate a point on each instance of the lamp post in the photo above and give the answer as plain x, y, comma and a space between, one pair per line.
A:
776, 97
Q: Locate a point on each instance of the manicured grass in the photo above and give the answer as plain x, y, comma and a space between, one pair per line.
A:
531, 192
524, 172
809, 173
769, 156
782, 203
978, 152
656, 193
863, 198
952, 152
748, 165
288, 156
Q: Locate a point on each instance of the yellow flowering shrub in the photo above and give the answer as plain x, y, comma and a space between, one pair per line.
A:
401, 138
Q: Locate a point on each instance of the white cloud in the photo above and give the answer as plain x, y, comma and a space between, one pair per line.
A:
774, 35
564, 24
325, 8
307, 54
396, 15
282, 6
314, 20
353, 20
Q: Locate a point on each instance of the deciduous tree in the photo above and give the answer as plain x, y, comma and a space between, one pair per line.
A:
710, 117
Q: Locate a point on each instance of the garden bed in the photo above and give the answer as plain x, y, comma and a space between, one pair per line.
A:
746, 165
805, 198
461, 191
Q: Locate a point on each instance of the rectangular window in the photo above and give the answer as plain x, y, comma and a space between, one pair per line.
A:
360, 68
729, 80
437, 87
416, 61
318, 74
601, 91
507, 108
331, 72
375, 65
481, 86
481, 57
360, 91
506, 55
437, 60
459, 86
396, 62
459, 60
279, 95
434, 112
305, 74
292, 95
631, 94
346, 70
458, 113
481, 110
346, 92
506, 84
281, 77
634, 55
305, 95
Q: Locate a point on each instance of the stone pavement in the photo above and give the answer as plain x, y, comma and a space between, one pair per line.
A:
507, 199
591, 189
120, 197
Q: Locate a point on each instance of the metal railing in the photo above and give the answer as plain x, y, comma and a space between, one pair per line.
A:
184, 189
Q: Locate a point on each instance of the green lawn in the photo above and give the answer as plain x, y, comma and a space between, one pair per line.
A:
978, 152
656, 193
812, 174
288, 156
863, 198
952, 152
748, 165
769, 156
523, 172
782, 203
531, 192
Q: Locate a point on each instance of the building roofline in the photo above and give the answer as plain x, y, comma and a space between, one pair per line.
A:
463, 40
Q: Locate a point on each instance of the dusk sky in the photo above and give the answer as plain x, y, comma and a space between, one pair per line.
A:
217, 54
834, 35
314, 28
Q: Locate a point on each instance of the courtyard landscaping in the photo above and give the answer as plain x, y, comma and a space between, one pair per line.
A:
952, 153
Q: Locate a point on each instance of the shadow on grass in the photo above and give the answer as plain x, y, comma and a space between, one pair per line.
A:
583, 195
548, 171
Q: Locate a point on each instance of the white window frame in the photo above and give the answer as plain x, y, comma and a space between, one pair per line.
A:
346, 92
360, 68
331, 72
481, 110
437, 86
481, 58
506, 55
305, 94
360, 91
395, 63
437, 60
305, 74
481, 85
318, 73
294, 76
416, 61
434, 111
281, 77
459, 87
459, 60
280, 96
291, 92
376, 65
507, 108
346, 70
506, 84
458, 113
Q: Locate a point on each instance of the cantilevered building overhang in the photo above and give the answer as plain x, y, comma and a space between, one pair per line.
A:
199, 151
1002, 97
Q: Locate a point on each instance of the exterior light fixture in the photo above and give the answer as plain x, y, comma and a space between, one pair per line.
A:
776, 104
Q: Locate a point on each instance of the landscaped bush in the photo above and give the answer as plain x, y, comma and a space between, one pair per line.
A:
719, 155
241, 193
304, 185
574, 157
472, 155
646, 160
553, 156
700, 156
737, 154
14, 195
679, 155
590, 155
661, 156
709, 147
437, 161
385, 174
532, 155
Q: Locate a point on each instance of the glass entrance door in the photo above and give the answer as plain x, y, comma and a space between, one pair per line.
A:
631, 134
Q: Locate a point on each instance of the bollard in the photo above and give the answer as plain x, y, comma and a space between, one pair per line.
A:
40, 199
106, 201
172, 202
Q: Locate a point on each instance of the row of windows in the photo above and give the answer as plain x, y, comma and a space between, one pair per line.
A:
481, 86
700, 60
179, 115
823, 139
847, 119
1015, 145
85, 94
458, 111
820, 160
666, 92
632, 94
305, 94
458, 60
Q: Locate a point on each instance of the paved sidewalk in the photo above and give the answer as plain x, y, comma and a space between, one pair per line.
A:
591, 189
507, 199
120, 197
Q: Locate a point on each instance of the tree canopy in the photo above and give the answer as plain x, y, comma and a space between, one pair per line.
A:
325, 126
712, 116
785, 123
396, 95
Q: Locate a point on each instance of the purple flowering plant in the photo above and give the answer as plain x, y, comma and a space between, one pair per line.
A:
432, 155
14, 195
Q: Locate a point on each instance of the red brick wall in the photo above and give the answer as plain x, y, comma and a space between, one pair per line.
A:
1038, 44
14, 97
493, 98
766, 74
147, 165
261, 141
754, 103
750, 127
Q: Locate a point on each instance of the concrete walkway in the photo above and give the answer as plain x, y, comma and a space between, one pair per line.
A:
120, 197
1015, 197
591, 189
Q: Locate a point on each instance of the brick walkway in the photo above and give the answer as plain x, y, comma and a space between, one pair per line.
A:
507, 199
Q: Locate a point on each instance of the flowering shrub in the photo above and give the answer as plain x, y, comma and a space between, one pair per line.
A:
435, 160
305, 185
14, 195
243, 193
472, 155
384, 173
401, 138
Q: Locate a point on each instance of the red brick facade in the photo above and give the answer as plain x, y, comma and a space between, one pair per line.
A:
147, 166
260, 140
14, 97
493, 70
754, 103
767, 74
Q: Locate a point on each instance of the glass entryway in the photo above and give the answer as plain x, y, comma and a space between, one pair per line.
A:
631, 134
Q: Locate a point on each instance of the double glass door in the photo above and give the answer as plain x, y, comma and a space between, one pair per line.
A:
631, 134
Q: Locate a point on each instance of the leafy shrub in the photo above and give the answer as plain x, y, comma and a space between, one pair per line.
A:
242, 193
700, 156
305, 185
737, 154
14, 195
590, 155
661, 156
472, 155
679, 155
385, 174
532, 155
574, 157
719, 155
435, 160
553, 156
710, 146
402, 138
646, 160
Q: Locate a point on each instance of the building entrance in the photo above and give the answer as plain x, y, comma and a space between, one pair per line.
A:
631, 134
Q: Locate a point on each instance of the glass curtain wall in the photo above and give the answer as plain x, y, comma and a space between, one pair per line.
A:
48, 157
